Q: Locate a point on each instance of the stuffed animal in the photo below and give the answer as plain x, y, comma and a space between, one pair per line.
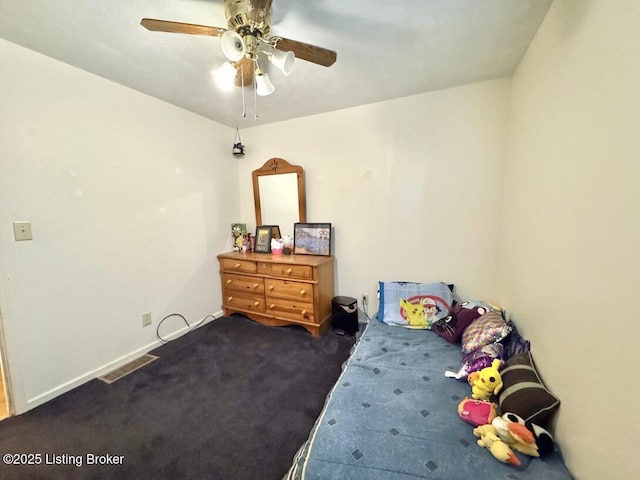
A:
460, 317
543, 439
516, 435
477, 412
486, 382
499, 449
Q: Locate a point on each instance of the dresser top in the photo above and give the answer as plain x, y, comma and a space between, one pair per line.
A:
293, 259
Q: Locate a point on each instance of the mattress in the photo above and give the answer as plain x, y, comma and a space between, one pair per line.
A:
393, 415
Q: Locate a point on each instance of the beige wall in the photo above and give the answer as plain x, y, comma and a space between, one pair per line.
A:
412, 186
570, 264
130, 200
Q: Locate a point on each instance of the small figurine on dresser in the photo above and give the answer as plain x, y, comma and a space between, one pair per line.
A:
288, 244
238, 232
277, 246
247, 244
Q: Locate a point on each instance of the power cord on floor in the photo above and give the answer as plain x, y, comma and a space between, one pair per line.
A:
365, 308
189, 326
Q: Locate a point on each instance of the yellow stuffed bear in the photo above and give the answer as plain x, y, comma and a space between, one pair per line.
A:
486, 382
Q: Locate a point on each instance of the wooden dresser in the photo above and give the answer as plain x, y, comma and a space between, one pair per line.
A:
278, 289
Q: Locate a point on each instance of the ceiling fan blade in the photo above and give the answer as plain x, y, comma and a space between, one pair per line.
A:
179, 27
308, 52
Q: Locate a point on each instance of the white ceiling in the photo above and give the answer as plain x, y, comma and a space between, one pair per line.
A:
386, 49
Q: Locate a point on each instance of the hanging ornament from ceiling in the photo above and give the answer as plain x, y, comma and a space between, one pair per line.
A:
238, 147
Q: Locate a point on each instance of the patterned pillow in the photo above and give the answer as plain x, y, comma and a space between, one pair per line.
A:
481, 358
413, 305
460, 317
524, 393
489, 328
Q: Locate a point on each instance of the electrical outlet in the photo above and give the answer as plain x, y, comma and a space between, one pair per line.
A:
146, 319
364, 300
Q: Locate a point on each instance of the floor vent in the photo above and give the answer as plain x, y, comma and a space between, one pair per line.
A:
127, 368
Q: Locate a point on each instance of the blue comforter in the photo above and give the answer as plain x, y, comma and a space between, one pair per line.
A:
393, 415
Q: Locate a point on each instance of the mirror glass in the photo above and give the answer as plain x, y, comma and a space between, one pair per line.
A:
276, 194
279, 196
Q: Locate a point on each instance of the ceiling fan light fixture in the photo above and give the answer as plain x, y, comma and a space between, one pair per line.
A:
283, 60
225, 76
232, 46
264, 86
246, 36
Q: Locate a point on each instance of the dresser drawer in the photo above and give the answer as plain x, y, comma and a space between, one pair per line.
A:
243, 301
243, 283
243, 266
290, 309
278, 289
288, 289
303, 272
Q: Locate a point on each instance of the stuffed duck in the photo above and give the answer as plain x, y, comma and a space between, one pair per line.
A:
500, 450
516, 435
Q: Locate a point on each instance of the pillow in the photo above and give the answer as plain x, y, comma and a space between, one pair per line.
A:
481, 358
477, 360
514, 343
523, 392
460, 317
489, 328
413, 305
479, 303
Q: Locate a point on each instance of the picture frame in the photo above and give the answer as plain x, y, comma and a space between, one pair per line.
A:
312, 238
275, 230
263, 239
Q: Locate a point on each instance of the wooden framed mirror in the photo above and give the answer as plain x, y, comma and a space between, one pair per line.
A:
279, 195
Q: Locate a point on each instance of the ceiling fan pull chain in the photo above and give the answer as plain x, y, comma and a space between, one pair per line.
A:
244, 110
255, 92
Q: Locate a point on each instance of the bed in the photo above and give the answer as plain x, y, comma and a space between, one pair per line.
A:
393, 415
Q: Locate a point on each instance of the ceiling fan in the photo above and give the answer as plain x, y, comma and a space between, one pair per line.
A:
248, 35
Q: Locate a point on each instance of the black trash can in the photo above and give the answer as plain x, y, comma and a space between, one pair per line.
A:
344, 315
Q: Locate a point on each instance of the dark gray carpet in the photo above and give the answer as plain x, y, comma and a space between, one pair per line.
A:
231, 400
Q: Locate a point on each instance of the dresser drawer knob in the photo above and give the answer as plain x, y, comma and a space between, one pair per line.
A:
237, 265
255, 285
229, 299
289, 270
270, 287
256, 303
272, 306
303, 312
229, 282
303, 291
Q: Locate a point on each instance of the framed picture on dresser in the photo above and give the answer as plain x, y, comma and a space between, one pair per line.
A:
275, 230
263, 239
312, 238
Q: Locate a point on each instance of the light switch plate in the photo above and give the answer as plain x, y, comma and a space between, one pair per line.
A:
22, 231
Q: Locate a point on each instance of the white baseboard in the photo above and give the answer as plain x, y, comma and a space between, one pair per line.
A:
118, 362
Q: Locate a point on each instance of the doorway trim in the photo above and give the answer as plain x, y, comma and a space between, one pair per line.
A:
4, 370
